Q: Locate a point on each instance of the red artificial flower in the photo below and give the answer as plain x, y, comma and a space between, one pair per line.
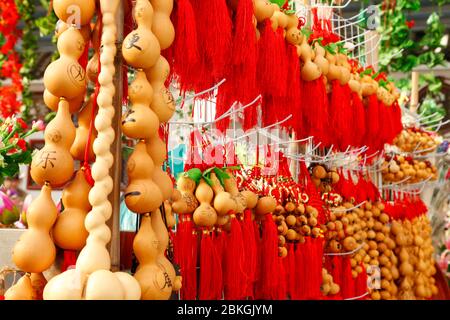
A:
22, 144
22, 123
11, 151
410, 24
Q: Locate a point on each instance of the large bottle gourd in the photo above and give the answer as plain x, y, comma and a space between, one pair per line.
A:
163, 103
154, 281
22, 290
140, 122
223, 201
142, 195
35, 251
52, 102
141, 48
65, 77
78, 147
69, 232
163, 242
204, 215
188, 202
162, 26
54, 163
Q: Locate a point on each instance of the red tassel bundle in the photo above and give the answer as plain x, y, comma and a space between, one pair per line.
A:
184, 57
268, 281
372, 123
347, 283
361, 283
315, 111
334, 266
234, 277
185, 245
294, 93
289, 267
359, 120
250, 253
340, 115
308, 272
207, 257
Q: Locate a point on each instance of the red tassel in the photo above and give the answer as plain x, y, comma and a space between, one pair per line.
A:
185, 247
361, 283
70, 259
334, 266
185, 47
340, 115
359, 120
347, 283
315, 111
248, 234
290, 270
233, 271
293, 101
373, 123
205, 291
268, 260
214, 27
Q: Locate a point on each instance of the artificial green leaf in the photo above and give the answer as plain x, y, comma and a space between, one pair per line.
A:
208, 181
280, 3
195, 174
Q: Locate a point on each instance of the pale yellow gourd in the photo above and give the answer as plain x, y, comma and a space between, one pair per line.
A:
263, 10
142, 195
265, 205
69, 232
170, 219
204, 215
52, 102
92, 66
368, 85
22, 290
140, 122
163, 103
141, 48
35, 251
74, 11
163, 242
163, 181
188, 202
224, 203
68, 285
334, 71
162, 26
54, 163
344, 67
155, 283
232, 189
320, 59
65, 77
82, 134
309, 70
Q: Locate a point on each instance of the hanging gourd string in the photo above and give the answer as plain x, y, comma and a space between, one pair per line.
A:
87, 167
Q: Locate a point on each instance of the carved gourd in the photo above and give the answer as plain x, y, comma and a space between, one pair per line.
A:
368, 85
69, 232
155, 283
178, 203
35, 250
65, 77
231, 187
141, 48
92, 66
163, 103
22, 290
54, 163
163, 181
204, 215
162, 26
140, 122
224, 203
163, 242
52, 102
188, 201
82, 134
334, 71
142, 195
77, 12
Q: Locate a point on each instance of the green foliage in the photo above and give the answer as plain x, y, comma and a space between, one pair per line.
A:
398, 51
26, 9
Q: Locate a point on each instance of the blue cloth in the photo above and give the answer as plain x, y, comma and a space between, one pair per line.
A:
127, 218
176, 164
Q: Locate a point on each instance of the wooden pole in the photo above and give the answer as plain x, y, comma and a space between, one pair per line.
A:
414, 103
116, 148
